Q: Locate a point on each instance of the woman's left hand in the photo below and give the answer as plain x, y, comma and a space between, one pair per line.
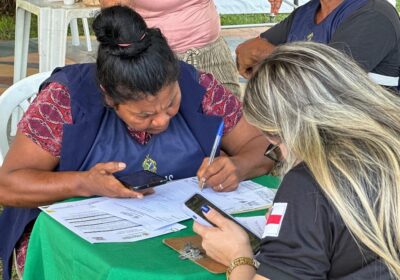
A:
222, 174
226, 241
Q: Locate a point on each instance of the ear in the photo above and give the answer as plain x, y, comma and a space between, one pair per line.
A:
109, 102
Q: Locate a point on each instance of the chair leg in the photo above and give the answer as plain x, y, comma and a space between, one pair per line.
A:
74, 32
87, 34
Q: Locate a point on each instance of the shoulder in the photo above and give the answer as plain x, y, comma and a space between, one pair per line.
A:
76, 78
74, 71
43, 121
299, 181
297, 239
304, 198
219, 101
383, 8
52, 94
376, 13
387, 13
187, 72
307, 208
83, 88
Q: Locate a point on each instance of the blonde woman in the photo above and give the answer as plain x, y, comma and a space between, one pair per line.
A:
337, 137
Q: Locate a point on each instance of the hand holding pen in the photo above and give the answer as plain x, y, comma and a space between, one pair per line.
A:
213, 150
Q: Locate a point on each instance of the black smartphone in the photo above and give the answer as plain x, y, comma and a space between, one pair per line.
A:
142, 180
194, 204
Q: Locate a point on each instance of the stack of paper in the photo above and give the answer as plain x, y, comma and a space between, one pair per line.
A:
96, 226
125, 220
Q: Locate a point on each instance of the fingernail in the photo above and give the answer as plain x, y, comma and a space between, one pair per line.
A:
205, 208
121, 165
203, 180
140, 196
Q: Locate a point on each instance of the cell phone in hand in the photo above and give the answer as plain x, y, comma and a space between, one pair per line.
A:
142, 180
193, 208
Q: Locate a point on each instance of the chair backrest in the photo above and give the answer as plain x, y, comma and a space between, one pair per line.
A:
18, 96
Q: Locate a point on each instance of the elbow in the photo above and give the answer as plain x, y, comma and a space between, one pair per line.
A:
7, 198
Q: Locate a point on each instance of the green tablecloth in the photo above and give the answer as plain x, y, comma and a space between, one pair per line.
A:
54, 252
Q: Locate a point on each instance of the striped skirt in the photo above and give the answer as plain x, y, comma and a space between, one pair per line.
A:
215, 58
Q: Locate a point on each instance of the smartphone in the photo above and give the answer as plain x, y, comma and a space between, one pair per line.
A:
193, 208
142, 180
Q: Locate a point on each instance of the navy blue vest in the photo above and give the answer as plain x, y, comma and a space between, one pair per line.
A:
304, 28
98, 135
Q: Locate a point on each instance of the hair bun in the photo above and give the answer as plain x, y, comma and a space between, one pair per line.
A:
132, 60
121, 32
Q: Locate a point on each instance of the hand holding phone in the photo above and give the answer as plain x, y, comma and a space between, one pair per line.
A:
193, 209
142, 180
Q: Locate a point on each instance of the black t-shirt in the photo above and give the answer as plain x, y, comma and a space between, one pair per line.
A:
371, 35
313, 242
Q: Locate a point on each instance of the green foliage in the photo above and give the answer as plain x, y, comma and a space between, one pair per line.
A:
7, 29
238, 19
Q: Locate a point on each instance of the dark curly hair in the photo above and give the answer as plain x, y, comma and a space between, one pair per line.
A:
132, 61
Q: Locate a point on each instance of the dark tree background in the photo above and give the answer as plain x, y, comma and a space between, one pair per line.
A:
7, 7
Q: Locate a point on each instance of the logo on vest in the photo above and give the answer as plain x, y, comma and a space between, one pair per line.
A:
310, 36
149, 164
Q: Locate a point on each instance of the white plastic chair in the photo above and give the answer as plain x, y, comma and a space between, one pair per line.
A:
75, 33
17, 97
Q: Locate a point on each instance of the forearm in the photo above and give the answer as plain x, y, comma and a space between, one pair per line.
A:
263, 48
250, 160
32, 188
243, 272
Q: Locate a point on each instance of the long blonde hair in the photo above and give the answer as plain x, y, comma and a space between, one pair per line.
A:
345, 128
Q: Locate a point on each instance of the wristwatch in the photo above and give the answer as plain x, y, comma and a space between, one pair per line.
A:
241, 261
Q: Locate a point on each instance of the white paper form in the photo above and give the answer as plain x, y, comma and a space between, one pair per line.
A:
256, 224
164, 207
96, 226
160, 209
249, 196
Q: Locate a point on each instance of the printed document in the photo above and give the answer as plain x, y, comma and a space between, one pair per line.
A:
100, 220
96, 226
164, 207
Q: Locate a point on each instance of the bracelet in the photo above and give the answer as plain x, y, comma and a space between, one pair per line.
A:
241, 261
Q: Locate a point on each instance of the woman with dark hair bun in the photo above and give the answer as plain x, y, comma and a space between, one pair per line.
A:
132, 62
137, 108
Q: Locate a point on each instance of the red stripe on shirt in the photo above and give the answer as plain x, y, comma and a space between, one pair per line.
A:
274, 219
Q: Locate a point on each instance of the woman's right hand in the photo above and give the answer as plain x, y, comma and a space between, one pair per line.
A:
99, 180
224, 242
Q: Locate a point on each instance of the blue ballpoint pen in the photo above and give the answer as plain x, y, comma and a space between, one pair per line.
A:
214, 149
